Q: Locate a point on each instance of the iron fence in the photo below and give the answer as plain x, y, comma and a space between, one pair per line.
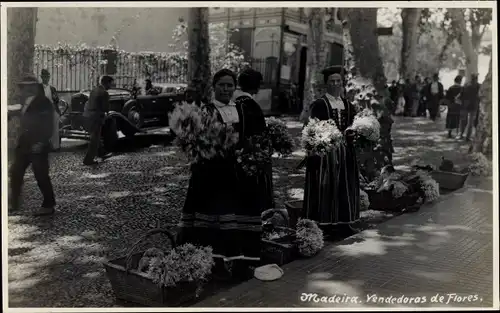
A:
75, 71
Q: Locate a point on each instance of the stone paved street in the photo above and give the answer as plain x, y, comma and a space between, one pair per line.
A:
444, 249
57, 261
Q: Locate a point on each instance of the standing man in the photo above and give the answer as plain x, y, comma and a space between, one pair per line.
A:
415, 95
436, 94
469, 114
94, 113
51, 94
33, 145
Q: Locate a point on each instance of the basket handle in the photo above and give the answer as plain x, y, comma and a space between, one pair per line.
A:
128, 262
271, 212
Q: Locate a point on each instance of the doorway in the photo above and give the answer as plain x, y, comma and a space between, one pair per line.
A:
302, 76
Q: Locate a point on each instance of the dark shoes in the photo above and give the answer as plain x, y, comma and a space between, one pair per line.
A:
90, 163
43, 211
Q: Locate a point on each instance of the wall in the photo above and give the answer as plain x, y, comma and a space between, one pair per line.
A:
142, 29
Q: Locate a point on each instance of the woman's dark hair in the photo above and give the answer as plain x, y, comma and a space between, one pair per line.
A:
249, 79
458, 79
222, 73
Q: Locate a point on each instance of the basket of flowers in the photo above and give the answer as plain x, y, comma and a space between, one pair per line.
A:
448, 177
278, 240
158, 278
395, 192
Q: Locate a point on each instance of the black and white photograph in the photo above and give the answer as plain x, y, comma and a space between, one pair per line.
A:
249, 155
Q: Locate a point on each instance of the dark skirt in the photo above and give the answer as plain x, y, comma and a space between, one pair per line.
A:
453, 116
331, 195
223, 209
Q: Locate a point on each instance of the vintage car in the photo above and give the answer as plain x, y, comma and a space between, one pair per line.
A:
130, 112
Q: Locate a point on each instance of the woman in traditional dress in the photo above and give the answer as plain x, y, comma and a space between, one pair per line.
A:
223, 206
332, 181
249, 81
454, 101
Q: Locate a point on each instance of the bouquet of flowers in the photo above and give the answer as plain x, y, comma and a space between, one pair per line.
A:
319, 137
480, 166
186, 263
309, 237
255, 156
366, 125
364, 200
200, 135
429, 186
281, 140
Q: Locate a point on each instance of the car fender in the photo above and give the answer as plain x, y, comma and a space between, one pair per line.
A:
122, 121
130, 103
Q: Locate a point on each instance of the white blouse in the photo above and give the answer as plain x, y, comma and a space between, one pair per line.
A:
228, 112
335, 102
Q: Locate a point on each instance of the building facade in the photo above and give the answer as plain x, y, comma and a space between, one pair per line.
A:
278, 35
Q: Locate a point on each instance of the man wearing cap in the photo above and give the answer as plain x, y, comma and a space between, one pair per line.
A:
331, 195
33, 145
51, 94
94, 113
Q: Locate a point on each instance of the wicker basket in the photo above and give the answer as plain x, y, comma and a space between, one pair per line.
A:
294, 209
384, 201
450, 180
133, 286
280, 251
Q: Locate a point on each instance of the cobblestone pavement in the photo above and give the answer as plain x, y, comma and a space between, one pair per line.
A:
57, 261
445, 249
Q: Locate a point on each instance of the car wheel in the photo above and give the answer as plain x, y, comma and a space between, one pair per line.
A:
109, 135
134, 115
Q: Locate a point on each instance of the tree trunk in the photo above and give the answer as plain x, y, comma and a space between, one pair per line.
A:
362, 23
482, 140
21, 32
362, 57
471, 55
411, 19
199, 50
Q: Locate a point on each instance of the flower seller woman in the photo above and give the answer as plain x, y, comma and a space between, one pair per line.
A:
223, 206
332, 181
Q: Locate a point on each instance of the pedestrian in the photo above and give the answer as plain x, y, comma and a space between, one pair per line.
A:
470, 108
436, 94
422, 109
407, 96
33, 145
454, 101
331, 192
393, 90
51, 94
415, 92
94, 113
223, 206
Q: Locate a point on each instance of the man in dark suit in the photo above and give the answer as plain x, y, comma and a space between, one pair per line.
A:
51, 94
94, 113
435, 91
33, 145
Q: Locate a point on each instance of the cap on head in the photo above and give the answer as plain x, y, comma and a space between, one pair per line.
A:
249, 79
336, 69
45, 72
106, 79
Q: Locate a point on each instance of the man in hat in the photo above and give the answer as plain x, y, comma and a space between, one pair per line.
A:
436, 94
51, 94
470, 108
331, 195
94, 113
33, 145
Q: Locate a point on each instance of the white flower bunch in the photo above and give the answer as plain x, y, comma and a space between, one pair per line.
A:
186, 263
480, 165
309, 237
199, 134
431, 189
366, 124
364, 200
319, 137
